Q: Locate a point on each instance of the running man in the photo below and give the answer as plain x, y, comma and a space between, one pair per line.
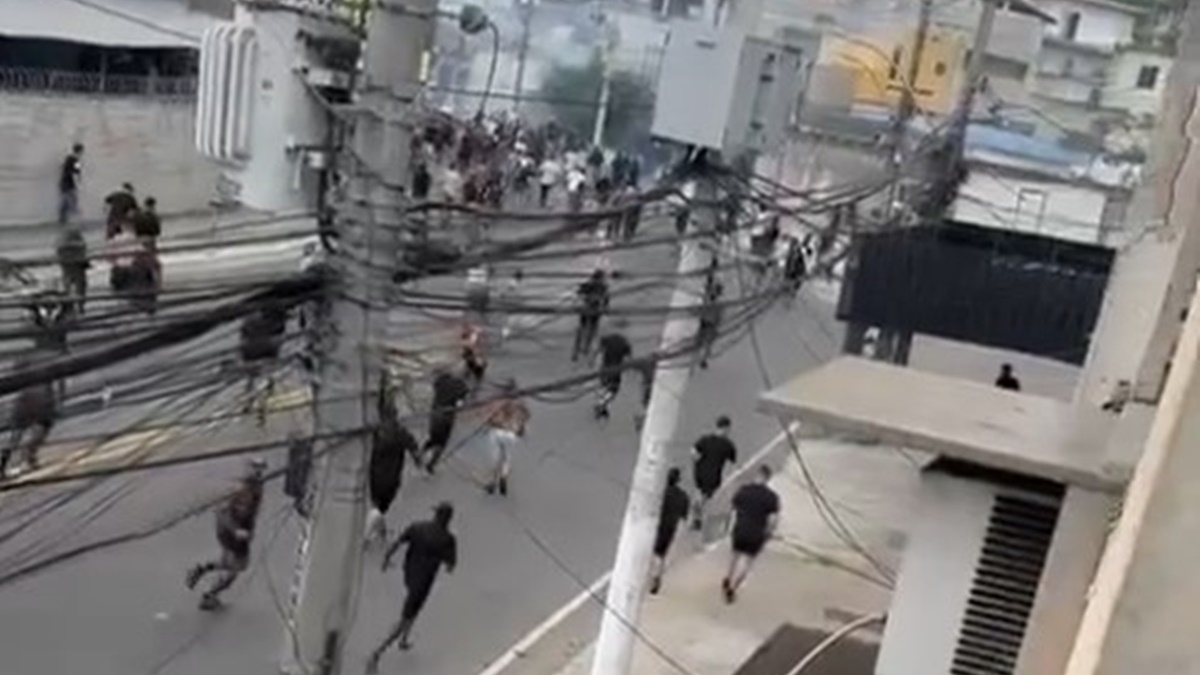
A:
449, 393
505, 424
614, 351
236, 519
431, 545
474, 355
593, 303
36, 409
390, 443
756, 514
711, 453
675, 506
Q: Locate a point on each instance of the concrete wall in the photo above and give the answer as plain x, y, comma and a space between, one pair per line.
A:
146, 141
1121, 90
1056, 209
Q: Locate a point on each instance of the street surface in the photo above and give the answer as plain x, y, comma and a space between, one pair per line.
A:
123, 609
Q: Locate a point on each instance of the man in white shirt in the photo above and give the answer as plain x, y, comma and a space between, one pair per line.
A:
550, 173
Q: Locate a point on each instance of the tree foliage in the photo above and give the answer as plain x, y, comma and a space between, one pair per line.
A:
573, 95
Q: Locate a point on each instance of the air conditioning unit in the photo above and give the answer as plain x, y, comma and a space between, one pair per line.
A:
988, 573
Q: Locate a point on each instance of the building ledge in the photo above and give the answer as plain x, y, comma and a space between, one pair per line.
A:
967, 421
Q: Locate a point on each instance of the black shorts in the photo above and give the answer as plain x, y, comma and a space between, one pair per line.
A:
383, 492
707, 485
414, 600
748, 543
663, 540
237, 550
611, 382
441, 426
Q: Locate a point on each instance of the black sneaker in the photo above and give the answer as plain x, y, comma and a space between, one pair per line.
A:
504, 487
210, 603
490, 488
193, 576
655, 585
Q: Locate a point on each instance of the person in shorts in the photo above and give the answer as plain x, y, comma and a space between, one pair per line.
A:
506, 422
431, 545
236, 519
711, 453
391, 443
614, 351
449, 393
675, 506
756, 514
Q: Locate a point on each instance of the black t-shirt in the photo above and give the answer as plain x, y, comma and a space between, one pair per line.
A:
390, 444
68, 178
675, 506
448, 391
714, 452
594, 295
120, 205
429, 547
614, 349
754, 504
1008, 382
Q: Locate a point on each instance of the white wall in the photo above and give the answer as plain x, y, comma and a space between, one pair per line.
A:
1098, 26
146, 141
1121, 90
1065, 89
1057, 209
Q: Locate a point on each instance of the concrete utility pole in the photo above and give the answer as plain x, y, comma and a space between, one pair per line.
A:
525, 7
975, 78
908, 97
606, 55
627, 586
398, 38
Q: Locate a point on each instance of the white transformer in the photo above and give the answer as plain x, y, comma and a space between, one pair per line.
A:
264, 104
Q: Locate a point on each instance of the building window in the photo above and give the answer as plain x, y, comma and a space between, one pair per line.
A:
1071, 26
1147, 77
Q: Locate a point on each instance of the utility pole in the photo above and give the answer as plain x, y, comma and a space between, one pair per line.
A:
525, 7
398, 39
908, 98
605, 80
627, 586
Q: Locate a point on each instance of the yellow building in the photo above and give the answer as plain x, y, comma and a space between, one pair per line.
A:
880, 68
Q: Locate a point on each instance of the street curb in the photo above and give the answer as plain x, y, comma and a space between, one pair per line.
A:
551, 646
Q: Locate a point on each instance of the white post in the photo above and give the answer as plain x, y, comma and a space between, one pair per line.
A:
605, 86
627, 586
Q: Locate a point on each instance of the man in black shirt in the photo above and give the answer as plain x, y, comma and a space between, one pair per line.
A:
675, 506
146, 223
449, 392
69, 177
614, 350
422, 181
711, 453
709, 316
430, 545
756, 514
236, 519
391, 442
593, 302
122, 205
1007, 380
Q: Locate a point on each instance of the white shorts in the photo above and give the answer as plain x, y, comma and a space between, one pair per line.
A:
500, 445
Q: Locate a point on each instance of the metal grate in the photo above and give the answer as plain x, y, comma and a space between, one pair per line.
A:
1006, 582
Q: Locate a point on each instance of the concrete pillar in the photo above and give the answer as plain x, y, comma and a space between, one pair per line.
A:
1141, 615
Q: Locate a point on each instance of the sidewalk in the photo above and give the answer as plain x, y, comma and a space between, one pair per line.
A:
807, 580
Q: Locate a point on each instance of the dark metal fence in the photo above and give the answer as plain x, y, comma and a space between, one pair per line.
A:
36, 80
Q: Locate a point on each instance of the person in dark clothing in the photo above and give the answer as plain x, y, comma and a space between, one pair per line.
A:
430, 546
682, 215
122, 205
69, 177
709, 319
422, 181
36, 408
145, 277
261, 340
675, 506
391, 442
756, 514
614, 350
146, 223
73, 263
711, 453
1007, 380
235, 530
795, 266
593, 303
449, 393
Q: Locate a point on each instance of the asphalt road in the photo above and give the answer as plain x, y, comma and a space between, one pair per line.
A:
122, 610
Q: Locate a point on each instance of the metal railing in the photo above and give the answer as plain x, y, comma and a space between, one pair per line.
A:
39, 80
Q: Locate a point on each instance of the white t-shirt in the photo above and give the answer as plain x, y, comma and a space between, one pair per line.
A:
575, 180
550, 172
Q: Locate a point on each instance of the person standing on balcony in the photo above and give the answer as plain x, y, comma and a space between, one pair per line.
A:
69, 179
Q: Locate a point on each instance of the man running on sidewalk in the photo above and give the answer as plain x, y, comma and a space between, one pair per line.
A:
235, 529
449, 393
711, 453
675, 506
430, 545
756, 514
593, 303
390, 444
